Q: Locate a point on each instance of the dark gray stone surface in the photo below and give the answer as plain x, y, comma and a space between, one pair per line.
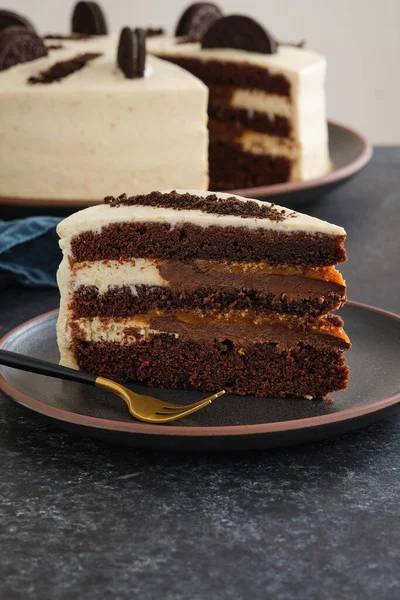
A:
81, 519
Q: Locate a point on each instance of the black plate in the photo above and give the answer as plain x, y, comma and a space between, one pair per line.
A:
348, 149
232, 422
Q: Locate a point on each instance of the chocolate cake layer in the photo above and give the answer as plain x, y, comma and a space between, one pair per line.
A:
241, 119
242, 75
251, 170
261, 369
233, 134
278, 293
186, 241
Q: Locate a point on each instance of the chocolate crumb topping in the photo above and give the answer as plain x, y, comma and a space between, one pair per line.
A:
153, 31
210, 204
63, 68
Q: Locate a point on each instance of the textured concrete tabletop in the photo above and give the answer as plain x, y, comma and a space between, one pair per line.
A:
82, 519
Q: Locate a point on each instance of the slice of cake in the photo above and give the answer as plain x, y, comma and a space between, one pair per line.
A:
187, 289
267, 121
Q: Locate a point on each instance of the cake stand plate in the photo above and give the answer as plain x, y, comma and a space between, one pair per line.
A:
230, 423
348, 149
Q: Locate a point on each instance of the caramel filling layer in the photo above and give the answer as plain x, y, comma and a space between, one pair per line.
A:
172, 271
329, 325
241, 325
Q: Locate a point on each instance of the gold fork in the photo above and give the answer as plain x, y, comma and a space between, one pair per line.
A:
144, 408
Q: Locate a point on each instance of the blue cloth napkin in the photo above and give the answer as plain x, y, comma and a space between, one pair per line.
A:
29, 251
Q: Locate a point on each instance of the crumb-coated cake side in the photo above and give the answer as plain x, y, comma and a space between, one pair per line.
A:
201, 290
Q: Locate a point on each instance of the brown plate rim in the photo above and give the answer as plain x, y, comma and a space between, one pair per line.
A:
261, 191
190, 431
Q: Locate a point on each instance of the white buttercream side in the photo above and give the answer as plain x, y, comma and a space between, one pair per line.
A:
95, 130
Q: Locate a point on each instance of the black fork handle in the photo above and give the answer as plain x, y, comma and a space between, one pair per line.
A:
42, 367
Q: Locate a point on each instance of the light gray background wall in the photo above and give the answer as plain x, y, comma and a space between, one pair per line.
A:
360, 39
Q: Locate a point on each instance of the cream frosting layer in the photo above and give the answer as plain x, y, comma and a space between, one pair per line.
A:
99, 330
109, 273
262, 102
307, 163
111, 330
80, 137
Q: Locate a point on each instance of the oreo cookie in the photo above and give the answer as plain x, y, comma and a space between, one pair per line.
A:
88, 18
131, 56
197, 19
19, 45
239, 32
9, 18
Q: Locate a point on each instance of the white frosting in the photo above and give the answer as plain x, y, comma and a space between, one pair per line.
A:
95, 130
109, 273
110, 330
262, 143
96, 217
98, 330
114, 330
260, 101
305, 71
307, 162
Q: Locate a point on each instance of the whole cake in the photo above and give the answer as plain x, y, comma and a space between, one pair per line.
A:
187, 289
67, 102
